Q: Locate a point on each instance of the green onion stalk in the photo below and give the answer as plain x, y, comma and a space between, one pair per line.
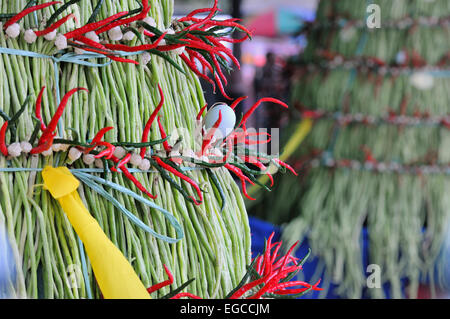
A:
406, 214
215, 250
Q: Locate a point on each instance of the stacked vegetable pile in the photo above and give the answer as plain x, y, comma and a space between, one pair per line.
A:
101, 105
377, 157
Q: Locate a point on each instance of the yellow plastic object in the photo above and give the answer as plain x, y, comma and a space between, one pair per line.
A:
297, 138
114, 274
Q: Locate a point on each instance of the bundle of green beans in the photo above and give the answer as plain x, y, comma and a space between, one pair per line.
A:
216, 248
406, 215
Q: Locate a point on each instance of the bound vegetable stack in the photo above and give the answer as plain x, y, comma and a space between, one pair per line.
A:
112, 173
377, 157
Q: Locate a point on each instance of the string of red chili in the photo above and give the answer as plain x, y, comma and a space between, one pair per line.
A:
145, 10
55, 25
46, 140
94, 25
26, 12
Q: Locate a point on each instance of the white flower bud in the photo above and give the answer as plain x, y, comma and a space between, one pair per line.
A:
145, 58
26, 147
61, 42
115, 34
170, 31
120, 152
50, 36
13, 30
92, 36
150, 21
30, 36
144, 165
128, 36
47, 152
56, 148
135, 159
88, 159
179, 51
74, 154
14, 150
98, 163
64, 147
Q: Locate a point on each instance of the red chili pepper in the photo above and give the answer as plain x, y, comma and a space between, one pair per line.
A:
150, 121
55, 25
221, 88
238, 172
3, 148
123, 60
38, 109
202, 10
239, 100
200, 113
219, 70
166, 145
170, 47
232, 40
225, 50
90, 42
246, 288
130, 176
185, 295
91, 49
260, 165
228, 23
257, 104
205, 64
26, 12
108, 152
144, 47
54, 121
193, 67
145, 10
98, 137
162, 284
44, 145
208, 18
286, 166
93, 26
183, 177
210, 135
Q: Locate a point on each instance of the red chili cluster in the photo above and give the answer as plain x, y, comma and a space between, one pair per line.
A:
206, 47
32, 9
240, 135
48, 132
273, 271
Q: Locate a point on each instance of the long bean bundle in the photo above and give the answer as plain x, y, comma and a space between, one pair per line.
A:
365, 165
49, 262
